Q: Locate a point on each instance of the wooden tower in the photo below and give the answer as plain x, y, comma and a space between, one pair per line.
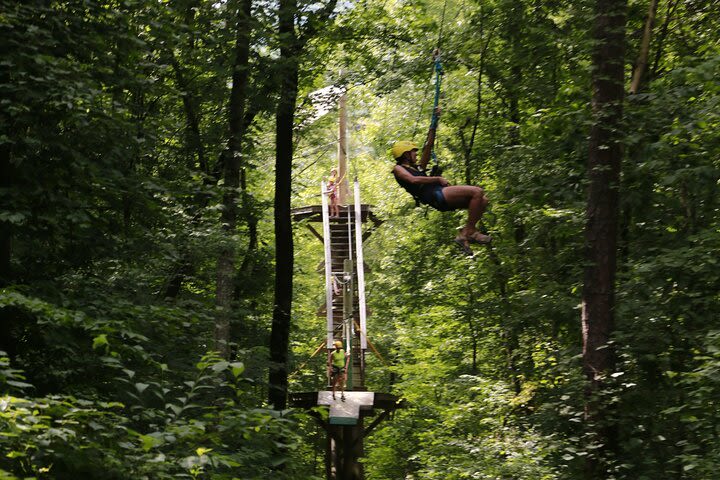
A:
345, 423
345, 319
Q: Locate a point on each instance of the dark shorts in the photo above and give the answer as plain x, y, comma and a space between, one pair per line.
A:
337, 371
432, 195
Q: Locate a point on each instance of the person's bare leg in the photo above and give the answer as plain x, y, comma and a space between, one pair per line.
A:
342, 387
470, 197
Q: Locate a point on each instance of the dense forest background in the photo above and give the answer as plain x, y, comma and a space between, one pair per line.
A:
156, 303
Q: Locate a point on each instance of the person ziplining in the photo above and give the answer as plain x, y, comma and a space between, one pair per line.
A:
434, 190
437, 192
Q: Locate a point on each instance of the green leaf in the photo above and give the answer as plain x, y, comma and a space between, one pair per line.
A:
151, 441
99, 341
15, 383
175, 408
237, 368
220, 366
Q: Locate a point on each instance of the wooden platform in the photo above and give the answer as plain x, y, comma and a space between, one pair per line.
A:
313, 213
384, 401
356, 406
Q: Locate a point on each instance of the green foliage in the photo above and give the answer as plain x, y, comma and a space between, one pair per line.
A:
112, 126
462, 431
202, 428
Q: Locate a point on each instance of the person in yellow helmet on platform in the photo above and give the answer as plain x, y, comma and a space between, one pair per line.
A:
436, 191
338, 361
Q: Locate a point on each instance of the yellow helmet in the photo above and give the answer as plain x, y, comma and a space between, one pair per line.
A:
401, 147
337, 343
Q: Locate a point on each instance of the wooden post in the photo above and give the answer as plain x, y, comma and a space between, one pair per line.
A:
352, 451
344, 450
335, 462
342, 150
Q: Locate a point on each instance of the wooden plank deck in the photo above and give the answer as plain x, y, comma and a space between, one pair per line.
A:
313, 213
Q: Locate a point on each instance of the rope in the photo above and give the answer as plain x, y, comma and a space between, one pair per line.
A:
372, 347
436, 170
435, 119
436, 59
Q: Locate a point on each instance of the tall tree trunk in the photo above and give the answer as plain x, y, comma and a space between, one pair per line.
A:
249, 261
195, 152
194, 147
6, 175
247, 268
280, 335
663, 36
9, 318
605, 153
642, 61
231, 176
193, 136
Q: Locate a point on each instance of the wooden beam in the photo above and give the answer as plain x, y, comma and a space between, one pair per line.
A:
325, 426
376, 421
315, 232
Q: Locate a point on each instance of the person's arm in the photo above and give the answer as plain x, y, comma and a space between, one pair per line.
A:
429, 142
427, 149
403, 174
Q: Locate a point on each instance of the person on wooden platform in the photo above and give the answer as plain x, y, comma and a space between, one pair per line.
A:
338, 361
332, 186
436, 191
